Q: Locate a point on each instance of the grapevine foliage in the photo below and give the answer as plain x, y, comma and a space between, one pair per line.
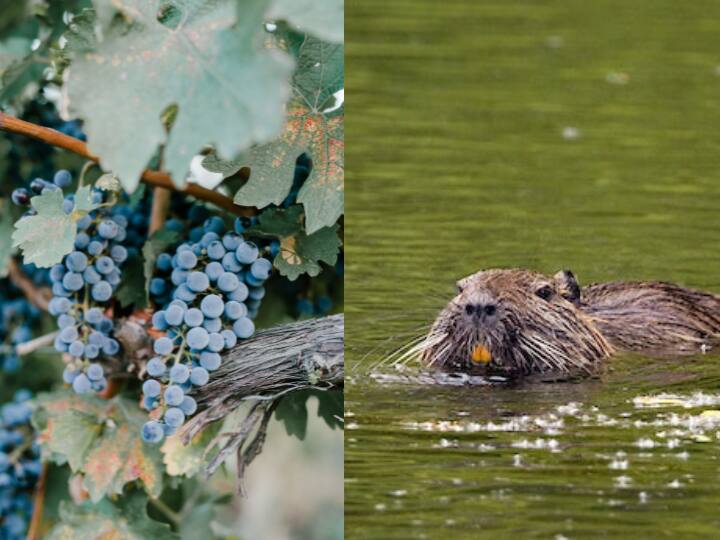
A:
109, 328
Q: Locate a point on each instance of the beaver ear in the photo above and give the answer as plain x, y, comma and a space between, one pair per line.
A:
567, 286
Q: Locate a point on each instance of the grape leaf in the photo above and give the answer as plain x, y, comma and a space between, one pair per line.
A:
300, 253
158, 242
126, 520
292, 412
228, 92
311, 127
322, 18
100, 439
132, 288
45, 238
6, 228
188, 460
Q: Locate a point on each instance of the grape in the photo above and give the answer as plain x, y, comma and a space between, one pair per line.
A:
174, 417
21, 197
174, 315
163, 262
76, 348
212, 306
82, 240
216, 250
178, 276
234, 310
111, 347
214, 270
93, 315
104, 265
179, 373
188, 406
73, 282
158, 320
95, 247
152, 432
151, 388
57, 272
62, 179
228, 282
101, 291
239, 294
199, 376
76, 261
230, 338
69, 334
246, 252
95, 372
183, 292
198, 281
230, 263
214, 224
212, 325
108, 229
118, 253
91, 351
260, 269
163, 346
156, 367
231, 242
186, 260
82, 384
216, 342
59, 305
157, 286
210, 360
194, 317
173, 395
91, 276
197, 338
243, 327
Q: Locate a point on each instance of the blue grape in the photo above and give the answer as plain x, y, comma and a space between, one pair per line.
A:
76, 261
118, 253
174, 417
104, 265
163, 346
76, 348
163, 262
101, 291
212, 325
198, 281
151, 388
212, 306
243, 327
230, 338
95, 372
158, 320
210, 360
214, 270
179, 373
174, 315
234, 310
216, 250
91, 276
95, 247
108, 229
156, 367
194, 317
228, 282
187, 260
216, 342
72, 281
230, 263
152, 432
157, 286
82, 384
239, 294
188, 406
260, 269
246, 253
197, 338
62, 179
173, 395
199, 376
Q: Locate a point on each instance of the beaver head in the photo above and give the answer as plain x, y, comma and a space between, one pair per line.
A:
515, 322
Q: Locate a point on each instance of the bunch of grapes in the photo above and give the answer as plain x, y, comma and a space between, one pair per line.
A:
216, 287
19, 466
321, 305
18, 319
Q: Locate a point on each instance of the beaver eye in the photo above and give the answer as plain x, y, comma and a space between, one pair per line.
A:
545, 292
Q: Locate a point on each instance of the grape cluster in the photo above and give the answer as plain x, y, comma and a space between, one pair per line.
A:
83, 284
214, 284
19, 466
18, 319
322, 305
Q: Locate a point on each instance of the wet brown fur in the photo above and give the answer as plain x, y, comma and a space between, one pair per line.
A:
550, 325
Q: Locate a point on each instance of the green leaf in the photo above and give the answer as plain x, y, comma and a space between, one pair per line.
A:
292, 412
225, 167
100, 439
229, 91
322, 18
188, 460
300, 253
158, 242
310, 127
45, 238
126, 520
6, 229
331, 406
132, 288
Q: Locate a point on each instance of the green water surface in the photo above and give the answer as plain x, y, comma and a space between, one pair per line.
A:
546, 135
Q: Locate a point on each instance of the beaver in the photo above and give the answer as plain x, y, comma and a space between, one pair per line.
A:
517, 322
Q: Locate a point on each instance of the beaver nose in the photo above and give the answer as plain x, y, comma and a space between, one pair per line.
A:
481, 311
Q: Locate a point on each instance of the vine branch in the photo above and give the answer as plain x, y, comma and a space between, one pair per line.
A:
162, 179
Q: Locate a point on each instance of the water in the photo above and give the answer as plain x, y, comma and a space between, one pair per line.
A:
545, 135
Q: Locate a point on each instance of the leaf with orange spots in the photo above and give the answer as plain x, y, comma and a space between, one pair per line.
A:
99, 439
205, 58
300, 253
126, 520
314, 125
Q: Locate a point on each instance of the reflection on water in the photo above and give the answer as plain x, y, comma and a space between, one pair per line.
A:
546, 135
